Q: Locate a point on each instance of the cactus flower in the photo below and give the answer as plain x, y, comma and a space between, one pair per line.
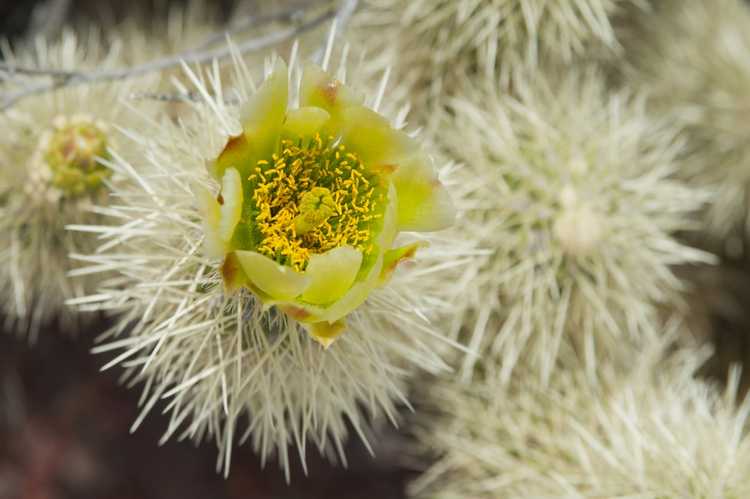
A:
312, 199
71, 153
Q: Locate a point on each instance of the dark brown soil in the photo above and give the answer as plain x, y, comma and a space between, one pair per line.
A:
64, 434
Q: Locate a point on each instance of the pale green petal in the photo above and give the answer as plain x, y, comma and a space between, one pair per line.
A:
331, 274
371, 137
232, 274
393, 257
301, 312
357, 294
326, 333
305, 122
262, 118
237, 153
267, 107
263, 115
390, 220
210, 211
231, 209
355, 297
279, 282
423, 202
319, 89
386, 234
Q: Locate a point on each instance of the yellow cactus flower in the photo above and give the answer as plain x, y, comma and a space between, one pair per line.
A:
312, 199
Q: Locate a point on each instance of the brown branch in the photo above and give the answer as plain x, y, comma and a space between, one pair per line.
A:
289, 14
60, 78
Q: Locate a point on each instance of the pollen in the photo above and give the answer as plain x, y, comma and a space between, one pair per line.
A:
312, 196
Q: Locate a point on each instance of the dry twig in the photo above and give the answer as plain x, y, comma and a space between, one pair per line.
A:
60, 78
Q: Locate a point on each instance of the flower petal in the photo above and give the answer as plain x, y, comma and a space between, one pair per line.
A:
389, 231
232, 274
301, 312
423, 202
277, 281
326, 333
306, 121
321, 90
237, 153
393, 257
262, 118
371, 137
210, 211
386, 233
231, 207
355, 297
331, 274
310, 314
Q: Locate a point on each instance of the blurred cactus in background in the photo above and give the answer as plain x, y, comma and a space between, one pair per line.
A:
53, 157
691, 57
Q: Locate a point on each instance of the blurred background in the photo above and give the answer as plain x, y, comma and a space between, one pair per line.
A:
64, 426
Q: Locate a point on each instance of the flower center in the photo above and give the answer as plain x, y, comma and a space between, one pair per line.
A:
315, 208
313, 197
72, 154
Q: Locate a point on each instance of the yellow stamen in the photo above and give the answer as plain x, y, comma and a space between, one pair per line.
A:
311, 198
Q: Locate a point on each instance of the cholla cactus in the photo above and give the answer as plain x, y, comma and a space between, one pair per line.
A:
52, 154
576, 205
429, 41
692, 57
649, 429
231, 276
